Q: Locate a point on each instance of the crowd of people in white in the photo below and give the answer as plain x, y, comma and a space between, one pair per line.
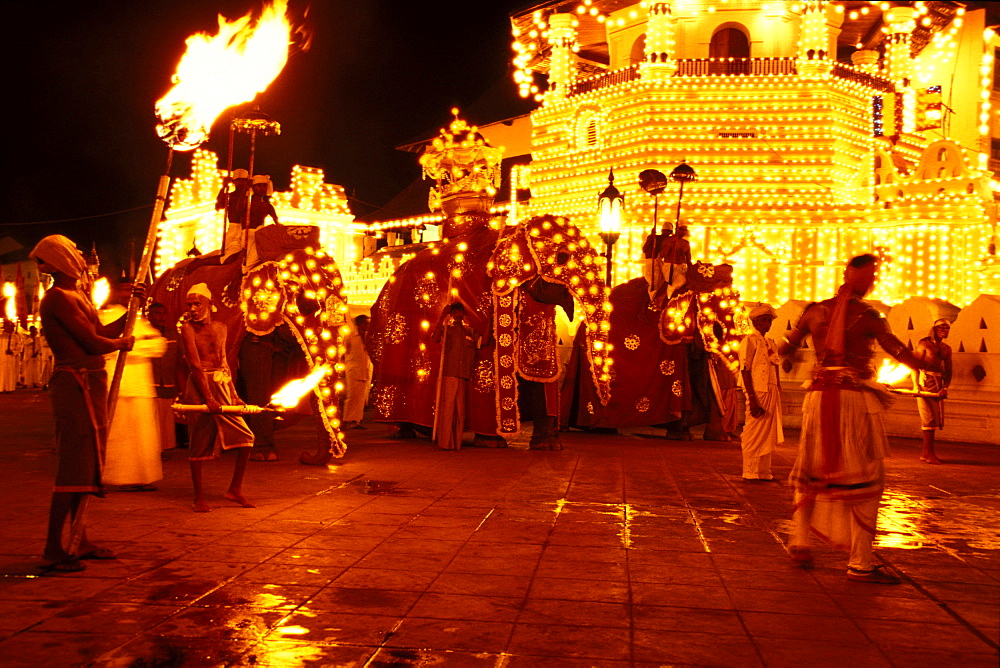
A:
25, 358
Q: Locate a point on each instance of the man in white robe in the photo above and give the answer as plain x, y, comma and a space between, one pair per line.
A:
358, 372
132, 461
10, 357
759, 362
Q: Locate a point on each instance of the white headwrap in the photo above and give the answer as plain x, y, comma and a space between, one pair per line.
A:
62, 254
201, 289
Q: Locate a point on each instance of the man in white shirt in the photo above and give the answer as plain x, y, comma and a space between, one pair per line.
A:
759, 379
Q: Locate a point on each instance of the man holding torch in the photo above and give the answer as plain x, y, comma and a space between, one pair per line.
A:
204, 344
839, 476
936, 354
78, 390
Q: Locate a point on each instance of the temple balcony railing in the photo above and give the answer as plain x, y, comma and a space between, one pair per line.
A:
867, 79
699, 67
612, 78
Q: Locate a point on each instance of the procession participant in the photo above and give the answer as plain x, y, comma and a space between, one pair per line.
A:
458, 356
31, 360
132, 462
78, 390
839, 476
210, 383
358, 370
234, 201
260, 202
759, 362
166, 377
236, 204
10, 356
936, 354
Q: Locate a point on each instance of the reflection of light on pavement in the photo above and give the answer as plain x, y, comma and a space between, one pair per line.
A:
898, 518
292, 630
267, 600
908, 521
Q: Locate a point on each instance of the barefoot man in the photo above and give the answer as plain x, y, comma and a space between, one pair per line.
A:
936, 354
839, 476
78, 389
210, 383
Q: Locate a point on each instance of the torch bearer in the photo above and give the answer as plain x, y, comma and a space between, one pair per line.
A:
216, 72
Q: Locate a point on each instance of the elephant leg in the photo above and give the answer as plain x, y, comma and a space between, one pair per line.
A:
539, 403
324, 449
256, 367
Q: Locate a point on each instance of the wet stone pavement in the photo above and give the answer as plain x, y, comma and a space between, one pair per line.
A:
622, 550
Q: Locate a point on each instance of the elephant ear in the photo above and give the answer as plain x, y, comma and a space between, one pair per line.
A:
262, 299
512, 263
563, 255
304, 290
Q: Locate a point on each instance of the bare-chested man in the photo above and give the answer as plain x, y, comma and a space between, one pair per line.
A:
210, 383
936, 354
78, 391
839, 476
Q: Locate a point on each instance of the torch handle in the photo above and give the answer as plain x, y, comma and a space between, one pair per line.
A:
144, 268
246, 409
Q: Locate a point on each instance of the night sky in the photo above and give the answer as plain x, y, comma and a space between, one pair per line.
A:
82, 80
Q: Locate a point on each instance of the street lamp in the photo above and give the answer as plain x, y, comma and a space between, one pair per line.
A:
682, 174
609, 211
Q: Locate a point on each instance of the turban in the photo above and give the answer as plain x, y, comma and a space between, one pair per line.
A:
762, 309
61, 254
261, 178
240, 174
201, 289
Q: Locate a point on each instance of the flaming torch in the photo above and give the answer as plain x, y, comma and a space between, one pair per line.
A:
287, 398
216, 72
100, 292
10, 308
891, 373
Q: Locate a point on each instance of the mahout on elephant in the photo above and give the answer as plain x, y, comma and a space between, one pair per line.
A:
675, 333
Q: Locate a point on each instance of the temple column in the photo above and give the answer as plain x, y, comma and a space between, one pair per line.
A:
901, 22
660, 57
865, 60
818, 37
562, 68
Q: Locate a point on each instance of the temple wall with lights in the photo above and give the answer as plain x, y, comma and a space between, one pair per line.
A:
191, 221
792, 179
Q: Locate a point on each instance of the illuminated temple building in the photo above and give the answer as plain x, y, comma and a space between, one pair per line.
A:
818, 130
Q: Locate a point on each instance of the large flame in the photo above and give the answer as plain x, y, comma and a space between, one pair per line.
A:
222, 70
10, 310
291, 394
100, 292
891, 373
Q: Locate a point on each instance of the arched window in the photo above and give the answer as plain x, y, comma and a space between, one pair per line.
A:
638, 53
729, 41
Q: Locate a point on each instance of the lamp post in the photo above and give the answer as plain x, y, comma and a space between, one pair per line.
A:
682, 174
609, 211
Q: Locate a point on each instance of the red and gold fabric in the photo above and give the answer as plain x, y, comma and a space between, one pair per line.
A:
649, 378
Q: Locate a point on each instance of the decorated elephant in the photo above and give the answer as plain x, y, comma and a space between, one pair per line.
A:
675, 346
285, 316
509, 281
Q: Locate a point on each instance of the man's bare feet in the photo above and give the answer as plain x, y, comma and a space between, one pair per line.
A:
930, 459
199, 506
237, 497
